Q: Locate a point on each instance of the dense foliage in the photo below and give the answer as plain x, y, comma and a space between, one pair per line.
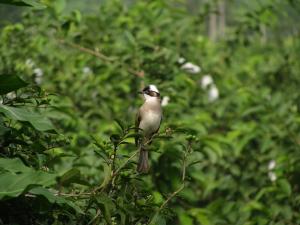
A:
228, 147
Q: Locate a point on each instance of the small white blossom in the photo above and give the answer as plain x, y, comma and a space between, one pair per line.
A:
86, 70
165, 101
206, 81
29, 63
213, 93
38, 72
191, 68
181, 60
272, 176
272, 165
38, 80
11, 95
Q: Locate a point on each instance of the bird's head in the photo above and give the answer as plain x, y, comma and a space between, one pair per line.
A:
150, 92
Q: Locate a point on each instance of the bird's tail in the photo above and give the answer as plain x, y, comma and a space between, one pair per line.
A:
143, 165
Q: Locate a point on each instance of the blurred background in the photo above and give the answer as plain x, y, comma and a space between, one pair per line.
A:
229, 144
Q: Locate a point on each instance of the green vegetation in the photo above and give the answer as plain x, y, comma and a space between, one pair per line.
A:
228, 148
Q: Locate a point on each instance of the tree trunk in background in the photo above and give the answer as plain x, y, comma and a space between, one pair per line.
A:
222, 18
263, 30
212, 30
217, 21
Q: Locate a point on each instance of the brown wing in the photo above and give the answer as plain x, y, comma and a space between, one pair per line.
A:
138, 119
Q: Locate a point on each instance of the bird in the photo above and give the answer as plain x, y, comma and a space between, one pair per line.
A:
148, 120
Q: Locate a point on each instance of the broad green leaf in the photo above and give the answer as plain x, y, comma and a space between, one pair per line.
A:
12, 185
14, 165
37, 120
34, 3
10, 83
14, 2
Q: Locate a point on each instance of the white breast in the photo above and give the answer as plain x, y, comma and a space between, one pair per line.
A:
150, 122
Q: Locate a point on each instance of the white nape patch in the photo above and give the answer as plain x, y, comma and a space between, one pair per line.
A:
153, 88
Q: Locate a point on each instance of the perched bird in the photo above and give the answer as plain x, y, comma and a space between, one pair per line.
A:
148, 121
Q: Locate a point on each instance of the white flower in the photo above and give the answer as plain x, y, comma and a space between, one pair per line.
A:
206, 81
86, 70
38, 72
181, 60
213, 93
29, 63
272, 176
191, 68
165, 101
38, 80
11, 95
272, 165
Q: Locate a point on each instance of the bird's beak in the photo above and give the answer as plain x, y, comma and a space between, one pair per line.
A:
140, 92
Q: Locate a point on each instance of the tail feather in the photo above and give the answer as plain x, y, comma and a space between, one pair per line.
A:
143, 166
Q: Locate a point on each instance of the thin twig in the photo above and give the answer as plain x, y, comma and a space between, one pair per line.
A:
87, 50
95, 217
101, 56
124, 164
63, 194
179, 189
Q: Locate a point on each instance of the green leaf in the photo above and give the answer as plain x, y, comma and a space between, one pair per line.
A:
285, 187
107, 205
120, 123
10, 83
12, 185
107, 176
55, 199
3, 128
35, 4
32, 3
157, 219
71, 176
37, 120
13, 165
14, 2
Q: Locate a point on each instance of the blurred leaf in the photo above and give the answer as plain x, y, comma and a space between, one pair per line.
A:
107, 206
10, 83
55, 199
33, 3
120, 123
38, 121
71, 176
285, 186
12, 185
14, 165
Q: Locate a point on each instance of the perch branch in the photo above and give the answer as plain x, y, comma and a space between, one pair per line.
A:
124, 164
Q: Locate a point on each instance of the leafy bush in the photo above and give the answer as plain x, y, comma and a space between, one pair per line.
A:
227, 152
